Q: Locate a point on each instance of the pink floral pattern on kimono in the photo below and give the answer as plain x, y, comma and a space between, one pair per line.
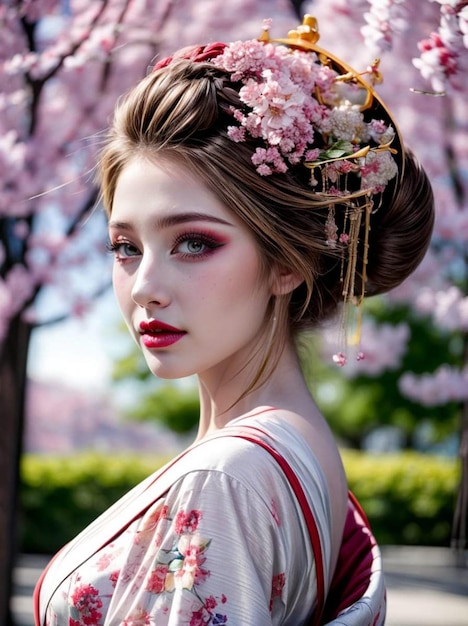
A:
85, 606
210, 543
182, 566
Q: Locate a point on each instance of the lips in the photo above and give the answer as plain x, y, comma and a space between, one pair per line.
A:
156, 334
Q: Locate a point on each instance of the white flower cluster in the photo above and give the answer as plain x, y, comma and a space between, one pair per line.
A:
446, 384
448, 307
347, 123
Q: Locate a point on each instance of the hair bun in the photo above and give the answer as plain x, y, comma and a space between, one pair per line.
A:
401, 231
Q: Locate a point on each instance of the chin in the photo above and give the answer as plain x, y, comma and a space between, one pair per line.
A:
167, 372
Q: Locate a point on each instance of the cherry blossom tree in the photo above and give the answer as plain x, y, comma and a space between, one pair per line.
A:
63, 63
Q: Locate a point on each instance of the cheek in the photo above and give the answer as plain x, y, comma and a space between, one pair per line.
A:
122, 287
244, 292
245, 278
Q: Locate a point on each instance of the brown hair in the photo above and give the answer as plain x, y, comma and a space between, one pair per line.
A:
180, 112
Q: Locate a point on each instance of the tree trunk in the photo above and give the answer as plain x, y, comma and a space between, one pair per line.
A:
460, 522
13, 361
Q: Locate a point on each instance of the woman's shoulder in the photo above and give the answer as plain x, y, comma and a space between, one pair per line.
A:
237, 450
231, 452
234, 444
305, 433
307, 443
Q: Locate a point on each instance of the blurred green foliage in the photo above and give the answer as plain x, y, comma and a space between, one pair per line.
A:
409, 497
176, 407
61, 495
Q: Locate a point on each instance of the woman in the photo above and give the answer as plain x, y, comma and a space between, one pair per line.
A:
251, 189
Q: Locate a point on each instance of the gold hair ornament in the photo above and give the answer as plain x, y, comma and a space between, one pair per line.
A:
305, 37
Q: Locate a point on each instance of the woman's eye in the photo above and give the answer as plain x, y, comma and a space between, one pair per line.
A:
123, 249
192, 246
195, 245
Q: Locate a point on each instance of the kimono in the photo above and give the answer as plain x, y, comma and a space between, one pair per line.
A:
215, 537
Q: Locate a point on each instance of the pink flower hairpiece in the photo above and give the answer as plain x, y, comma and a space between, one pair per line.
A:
302, 110
302, 113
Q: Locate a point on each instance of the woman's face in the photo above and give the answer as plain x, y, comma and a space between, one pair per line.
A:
186, 273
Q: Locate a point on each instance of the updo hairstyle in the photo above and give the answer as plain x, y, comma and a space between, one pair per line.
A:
181, 112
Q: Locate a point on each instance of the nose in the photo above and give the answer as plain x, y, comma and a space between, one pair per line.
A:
150, 287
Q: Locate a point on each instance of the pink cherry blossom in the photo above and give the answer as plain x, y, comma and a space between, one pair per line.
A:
448, 307
446, 384
381, 348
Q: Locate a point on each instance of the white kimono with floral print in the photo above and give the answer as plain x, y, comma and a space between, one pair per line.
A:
215, 538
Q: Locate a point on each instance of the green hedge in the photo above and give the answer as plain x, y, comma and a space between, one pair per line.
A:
409, 498
61, 495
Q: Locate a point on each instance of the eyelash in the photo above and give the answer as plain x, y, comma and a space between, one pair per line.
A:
207, 240
116, 247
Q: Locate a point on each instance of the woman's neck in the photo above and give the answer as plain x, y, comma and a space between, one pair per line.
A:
285, 388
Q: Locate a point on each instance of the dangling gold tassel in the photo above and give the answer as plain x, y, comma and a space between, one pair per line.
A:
355, 213
350, 239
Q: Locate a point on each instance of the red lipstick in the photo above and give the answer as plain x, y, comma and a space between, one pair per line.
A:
156, 334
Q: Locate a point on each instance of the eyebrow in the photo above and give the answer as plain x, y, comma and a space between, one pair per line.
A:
167, 221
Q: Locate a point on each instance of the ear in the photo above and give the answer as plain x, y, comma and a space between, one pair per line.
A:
284, 280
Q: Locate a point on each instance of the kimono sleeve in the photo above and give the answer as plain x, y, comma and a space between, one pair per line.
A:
219, 558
